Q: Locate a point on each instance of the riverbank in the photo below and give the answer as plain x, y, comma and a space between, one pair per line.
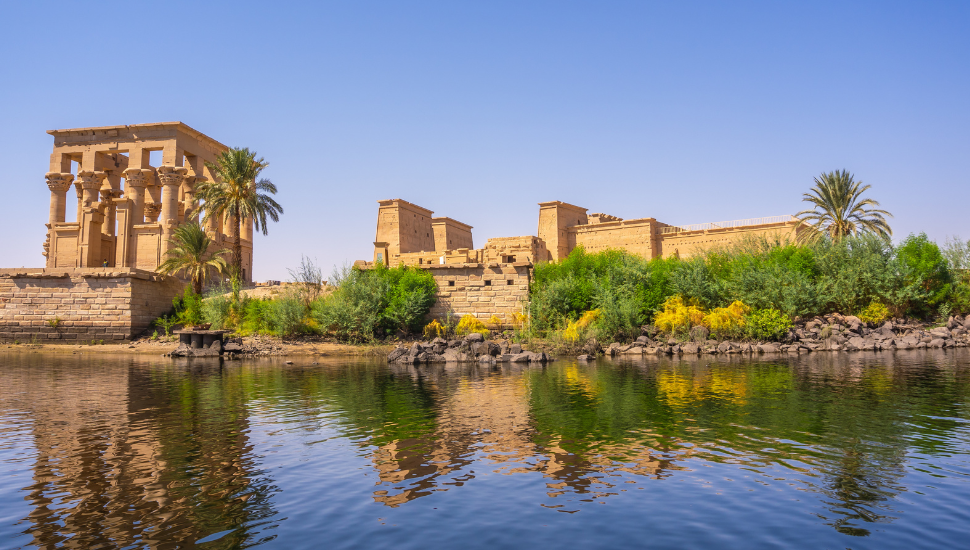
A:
256, 346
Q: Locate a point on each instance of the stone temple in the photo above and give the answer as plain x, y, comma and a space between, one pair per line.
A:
127, 209
493, 281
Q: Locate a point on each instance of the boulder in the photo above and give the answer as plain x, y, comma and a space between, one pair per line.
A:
396, 354
233, 347
769, 348
642, 340
486, 360
725, 347
699, 333
454, 343
515, 349
494, 348
474, 337
594, 348
583, 358
936, 343
520, 357
951, 323
439, 341
966, 323
690, 348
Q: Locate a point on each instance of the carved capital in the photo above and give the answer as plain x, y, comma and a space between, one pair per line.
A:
152, 210
108, 194
90, 180
171, 175
138, 177
59, 182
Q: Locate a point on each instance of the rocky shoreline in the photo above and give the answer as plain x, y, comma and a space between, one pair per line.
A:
471, 348
832, 332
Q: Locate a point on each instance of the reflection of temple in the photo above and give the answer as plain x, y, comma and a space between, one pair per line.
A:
486, 415
108, 470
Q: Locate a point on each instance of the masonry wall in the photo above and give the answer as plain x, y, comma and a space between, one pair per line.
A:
90, 303
482, 290
687, 243
634, 236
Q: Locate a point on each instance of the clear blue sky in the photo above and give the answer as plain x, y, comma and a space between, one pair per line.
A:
684, 111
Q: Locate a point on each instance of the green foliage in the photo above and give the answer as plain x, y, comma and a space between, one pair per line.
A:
285, 315
166, 322
190, 256
217, 309
369, 304
925, 270
767, 324
188, 307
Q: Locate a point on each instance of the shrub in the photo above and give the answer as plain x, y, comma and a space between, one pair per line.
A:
875, 312
925, 271
188, 307
216, 309
369, 304
434, 329
578, 328
726, 322
678, 316
469, 324
286, 315
767, 324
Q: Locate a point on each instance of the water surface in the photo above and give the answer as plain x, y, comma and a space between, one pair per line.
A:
813, 451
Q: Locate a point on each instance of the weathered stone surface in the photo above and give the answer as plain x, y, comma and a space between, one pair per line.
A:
769, 348
583, 358
474, 337
690, 348
699, 334
524, 357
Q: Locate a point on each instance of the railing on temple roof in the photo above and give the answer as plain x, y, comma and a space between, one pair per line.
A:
730, 224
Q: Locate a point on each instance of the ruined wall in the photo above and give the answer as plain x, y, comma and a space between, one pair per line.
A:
635, 236
451, 234
683, 244
482, 290
91, 303
555, 219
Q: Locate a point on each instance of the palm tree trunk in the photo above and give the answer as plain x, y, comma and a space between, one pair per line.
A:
236, 222
197, 285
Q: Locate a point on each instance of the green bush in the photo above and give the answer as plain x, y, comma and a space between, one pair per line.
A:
284, 315
925, 271
767, 324
188, 307
369, 304
216, 309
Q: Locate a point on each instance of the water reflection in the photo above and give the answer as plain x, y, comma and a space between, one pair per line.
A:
129, 452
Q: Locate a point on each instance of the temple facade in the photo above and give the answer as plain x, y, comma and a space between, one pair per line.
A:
408, 234
127, 210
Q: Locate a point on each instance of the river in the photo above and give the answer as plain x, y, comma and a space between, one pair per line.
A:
863, 450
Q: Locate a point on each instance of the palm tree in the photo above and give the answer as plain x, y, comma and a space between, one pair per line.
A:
840, 209
190, 255
238, 193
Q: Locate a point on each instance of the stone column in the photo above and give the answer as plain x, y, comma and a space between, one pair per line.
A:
247, 229
136, 180
80, 201
58, 183
188, 193
107, 198
171, 178
152, 210
90, 183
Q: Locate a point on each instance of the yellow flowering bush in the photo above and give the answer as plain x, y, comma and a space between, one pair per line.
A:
469, 324
874, 313
727, 321
576, 328
678, 316
434, 329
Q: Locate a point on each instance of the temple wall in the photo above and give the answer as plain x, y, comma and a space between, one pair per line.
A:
634, 236
686, 243
482, 290
91, 303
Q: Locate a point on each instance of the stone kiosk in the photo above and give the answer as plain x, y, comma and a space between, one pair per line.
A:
99, 280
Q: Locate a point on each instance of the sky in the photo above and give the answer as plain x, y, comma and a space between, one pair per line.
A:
687, 112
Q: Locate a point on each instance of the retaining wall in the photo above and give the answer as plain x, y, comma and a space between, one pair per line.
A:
482, 290
87, 303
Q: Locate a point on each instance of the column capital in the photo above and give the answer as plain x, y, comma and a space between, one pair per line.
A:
138, 177
171, 175
108, 194
59, 182
90, 180
152, 210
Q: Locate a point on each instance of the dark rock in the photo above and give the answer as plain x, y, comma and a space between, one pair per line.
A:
232, 347
515, 349
494, 348
951, 323
936, 343
594, 348
690, 348
479, 348
520, 357
725, 347
454, 343
769, 348
438, 341
474, 337
396, 354
486, 360
643, 340
699, 333
583, 358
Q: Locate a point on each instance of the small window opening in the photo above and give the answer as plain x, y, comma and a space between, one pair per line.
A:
509, 282
488, 283
451, 283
